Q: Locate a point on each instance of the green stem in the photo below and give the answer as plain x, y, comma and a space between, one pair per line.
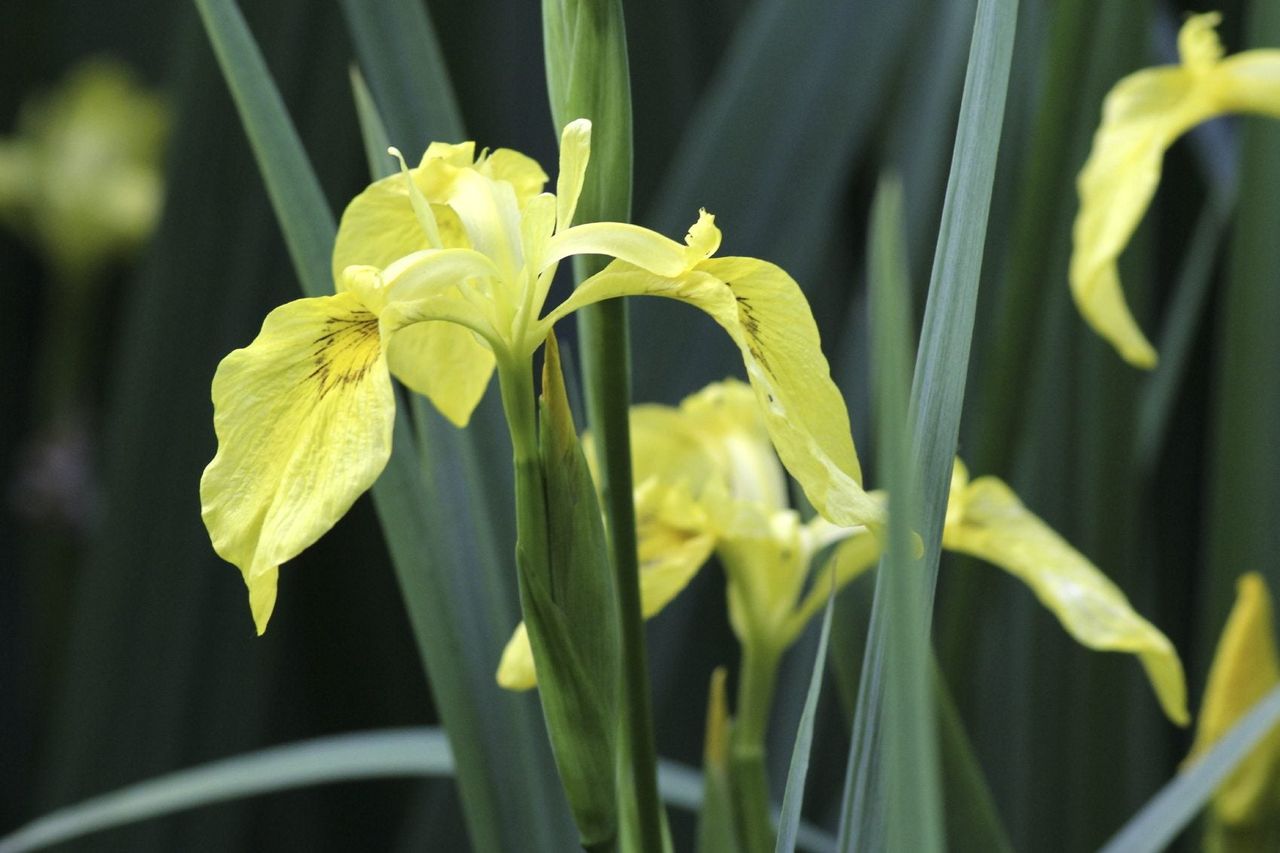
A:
757, 677
607, 369
519, 403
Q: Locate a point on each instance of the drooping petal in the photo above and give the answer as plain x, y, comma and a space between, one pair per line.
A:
304, 418
1142, 116
1245, 668
673, 540
991, 523
445, 363
764, 311
431, 345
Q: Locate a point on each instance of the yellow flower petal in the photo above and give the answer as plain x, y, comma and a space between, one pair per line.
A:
1141, 117
717, 434
520, 171
445, 363
764, 311
766, 563
1245, 668
303, 417
991, 523
646, 249
490, 214
516, 670
378, 227
420, 305
575, 152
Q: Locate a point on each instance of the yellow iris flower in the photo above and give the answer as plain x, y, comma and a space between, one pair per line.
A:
1141, 117
442, 273
81, 177
1245, 668
708, 482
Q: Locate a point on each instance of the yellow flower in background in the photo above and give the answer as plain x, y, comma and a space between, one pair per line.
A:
708, 481
81, 176
1245, 668
442, 274
1141, 117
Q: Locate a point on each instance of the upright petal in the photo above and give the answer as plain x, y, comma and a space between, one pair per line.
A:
575, 152
1245, 668
991, 523
764, 311
304, 418
490, 213
523, 173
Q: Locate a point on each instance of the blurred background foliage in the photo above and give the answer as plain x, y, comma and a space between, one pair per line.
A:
128, 647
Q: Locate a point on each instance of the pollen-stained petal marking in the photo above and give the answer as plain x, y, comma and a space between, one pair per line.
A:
304, 417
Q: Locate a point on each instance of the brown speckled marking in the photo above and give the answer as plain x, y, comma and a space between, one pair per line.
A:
751, 324
344, 351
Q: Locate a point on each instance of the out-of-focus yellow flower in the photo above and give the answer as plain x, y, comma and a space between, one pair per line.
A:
1141, 117
1245, 668
709, 482
81, 176
442, 274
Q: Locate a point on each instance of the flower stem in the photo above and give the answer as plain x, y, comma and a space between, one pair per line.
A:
519, 404
757, 676
607, 369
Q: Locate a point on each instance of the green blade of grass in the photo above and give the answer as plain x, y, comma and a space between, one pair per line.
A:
904, 719
372, 131
1243, 476
937, 390
972, 820
770, 127
1161, 819
305, 217
793, 797
458, 637
399, 51
380, 754
369, 755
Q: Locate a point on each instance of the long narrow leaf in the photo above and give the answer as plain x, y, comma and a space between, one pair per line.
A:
1161, 819
370, 755
380, 754
400, 53
305, 217
793, 797
937, 391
